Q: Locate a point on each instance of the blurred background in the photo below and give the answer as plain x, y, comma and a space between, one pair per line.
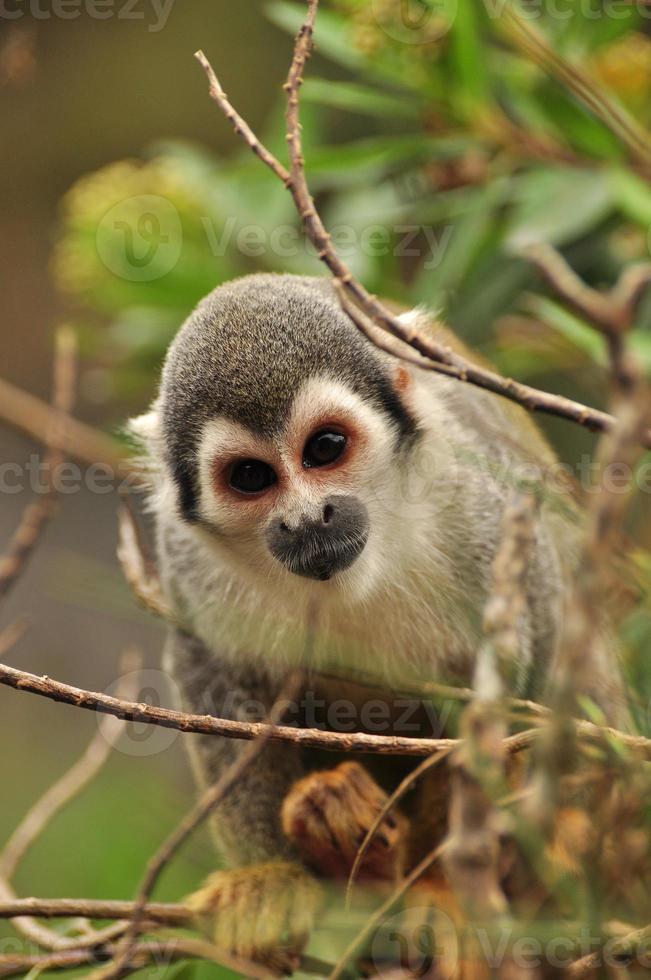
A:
440, 139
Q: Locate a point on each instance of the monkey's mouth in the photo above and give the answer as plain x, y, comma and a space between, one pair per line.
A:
321, 560
320, 547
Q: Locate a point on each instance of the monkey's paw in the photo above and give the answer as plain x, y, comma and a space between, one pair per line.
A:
327, 816
262, 913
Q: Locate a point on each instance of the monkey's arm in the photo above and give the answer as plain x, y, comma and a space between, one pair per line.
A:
247, 823
263, 907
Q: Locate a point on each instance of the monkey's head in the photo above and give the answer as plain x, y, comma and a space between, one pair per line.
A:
284, 434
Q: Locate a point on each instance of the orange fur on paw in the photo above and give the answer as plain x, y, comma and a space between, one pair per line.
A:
261, 913
328, 814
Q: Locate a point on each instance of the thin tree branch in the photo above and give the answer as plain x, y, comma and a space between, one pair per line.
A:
33, 416
37, 515
173, 915
611, 311
137, 565
154, 952
201, 810
476, 824
45, 686
391, 801
52, 802
159, 913
386, 907
622, 947
181, 721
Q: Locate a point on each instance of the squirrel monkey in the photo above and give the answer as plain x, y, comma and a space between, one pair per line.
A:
296, 467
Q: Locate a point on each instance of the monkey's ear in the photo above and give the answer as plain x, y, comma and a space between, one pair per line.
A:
402, 378
145, 429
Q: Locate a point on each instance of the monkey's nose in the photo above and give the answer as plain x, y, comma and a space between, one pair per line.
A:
319, 547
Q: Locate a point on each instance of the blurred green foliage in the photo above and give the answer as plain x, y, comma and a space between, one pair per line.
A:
461, 151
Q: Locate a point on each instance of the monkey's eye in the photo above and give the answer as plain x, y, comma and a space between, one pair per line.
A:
251, 476
323, 447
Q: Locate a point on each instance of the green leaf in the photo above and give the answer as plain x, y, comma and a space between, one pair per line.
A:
633, 195
186, 971
571, 328
333, 36
458, 247
468, 53
557, 206
351, 163
491, 290
640, 344
352, 97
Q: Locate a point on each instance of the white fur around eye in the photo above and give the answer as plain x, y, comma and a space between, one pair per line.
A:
321, 400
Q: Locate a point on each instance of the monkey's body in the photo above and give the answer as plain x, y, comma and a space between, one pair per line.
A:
386, 564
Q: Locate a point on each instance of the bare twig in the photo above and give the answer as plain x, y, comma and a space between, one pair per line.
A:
155, 952
209, 725
476, 825
584, 664
79, 441
156, 915
137, 565
37, 515
171, 915
55, 799
391, 801
623, 948
22, 680
386, 907
159, 913
611, 311
201, 810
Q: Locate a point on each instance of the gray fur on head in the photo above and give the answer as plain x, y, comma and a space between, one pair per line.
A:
245, 351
